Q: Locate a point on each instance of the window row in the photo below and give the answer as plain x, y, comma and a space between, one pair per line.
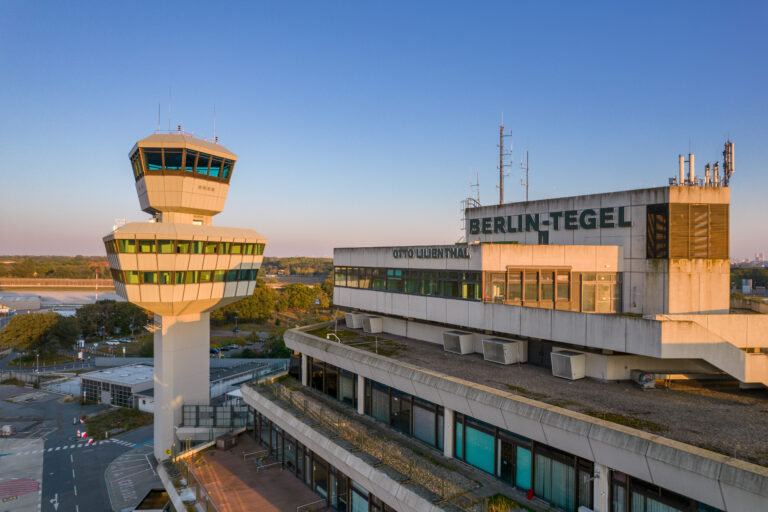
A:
156, 160
340, 492
334, 382
451, 284
629, 494
183, 276
133, 246
228, 416
555, 288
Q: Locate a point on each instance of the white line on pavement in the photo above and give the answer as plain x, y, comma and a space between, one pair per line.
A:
75, 490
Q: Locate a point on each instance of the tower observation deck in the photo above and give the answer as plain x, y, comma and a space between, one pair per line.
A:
181, 267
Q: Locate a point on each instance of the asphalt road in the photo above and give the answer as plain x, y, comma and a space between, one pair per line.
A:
73, 473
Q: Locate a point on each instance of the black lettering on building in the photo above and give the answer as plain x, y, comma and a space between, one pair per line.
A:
587, 219
606, 218
531, 221
570, 219
498, 225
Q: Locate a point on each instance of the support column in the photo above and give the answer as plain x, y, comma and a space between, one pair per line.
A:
601, 487
360, 394
304, 370
182, 373
448, 433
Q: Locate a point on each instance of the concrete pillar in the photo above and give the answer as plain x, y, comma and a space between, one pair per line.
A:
448, 433
304, 370
182, 373
601, 488
360, 394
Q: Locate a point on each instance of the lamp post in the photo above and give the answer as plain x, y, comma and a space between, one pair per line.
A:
37, 359
235, 323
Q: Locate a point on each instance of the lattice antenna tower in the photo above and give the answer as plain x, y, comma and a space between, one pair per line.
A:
526, 168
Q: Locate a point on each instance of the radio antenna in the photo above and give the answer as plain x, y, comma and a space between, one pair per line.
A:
476, 185
526, 168
502, 154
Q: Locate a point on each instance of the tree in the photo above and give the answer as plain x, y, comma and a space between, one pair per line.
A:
46, 332
297, 296
112, 316
257, 307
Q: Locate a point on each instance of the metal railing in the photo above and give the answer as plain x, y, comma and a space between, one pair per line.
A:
440, 480
179, 468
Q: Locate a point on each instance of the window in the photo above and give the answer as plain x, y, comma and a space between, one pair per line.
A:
248, 249
149, 278
193, 276
219, 275
211, 247
231, 275
131, 277
197, 247
563, 285
215, 167
165, 277
146, 246
189, 162
236, 249
657, 231
182, 247
206, 276
203, 160
173, 159
547, 285
153, 158
496, 286
165, 246
225, 247
259, 249
226, 170
515, 286
531, 285
244, 274
179, 277
126, 246
394, 280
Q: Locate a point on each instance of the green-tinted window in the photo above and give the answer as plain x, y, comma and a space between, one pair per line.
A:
245, 274
189, 164
248, 249
211, 247
197, 247
218, 276
254, 273
215, 167
203, 160
126, 246
206, 276
547, 285
149, 277
236, 249
192, 277
165, 277
226, 170
146, 246
224, 248
154, 159
531, 285
131, 277
179, 277
231, 275
340, 276
182, 247
173, 159
165, 246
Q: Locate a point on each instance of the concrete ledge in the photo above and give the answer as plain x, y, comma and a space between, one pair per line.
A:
715, 479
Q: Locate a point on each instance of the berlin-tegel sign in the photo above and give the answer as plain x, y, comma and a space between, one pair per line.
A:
589, 218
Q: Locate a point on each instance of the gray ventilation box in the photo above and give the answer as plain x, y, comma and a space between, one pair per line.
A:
373, 324
458, 342
570, 365
502, 351
354, 320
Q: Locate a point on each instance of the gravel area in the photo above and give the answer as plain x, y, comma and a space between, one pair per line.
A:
713, 415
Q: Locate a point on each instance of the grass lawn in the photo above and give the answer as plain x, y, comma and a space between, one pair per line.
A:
129, 419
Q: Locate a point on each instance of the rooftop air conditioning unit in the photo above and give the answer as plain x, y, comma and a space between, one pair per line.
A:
505, 351
354, 320
458, 342
569, 365
373, 324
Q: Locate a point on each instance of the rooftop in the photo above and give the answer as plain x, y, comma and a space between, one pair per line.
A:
735, 419
128, 375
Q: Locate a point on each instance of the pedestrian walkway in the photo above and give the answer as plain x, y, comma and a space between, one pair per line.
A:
130, 476
73, 446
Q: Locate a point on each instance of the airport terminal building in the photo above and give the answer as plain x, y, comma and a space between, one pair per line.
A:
459, 378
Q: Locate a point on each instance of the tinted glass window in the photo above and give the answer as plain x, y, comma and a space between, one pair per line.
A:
131, 277
192, 276
232, 275
179, 278
149, 277
166, 277
215, 167
182, 247
218, 276
146, 246
165, 246
154, 159
244, 274
189, 164
236, 249
202, 163
197, 247
173, 159
210, 247
227, 169
206, 276
127, 246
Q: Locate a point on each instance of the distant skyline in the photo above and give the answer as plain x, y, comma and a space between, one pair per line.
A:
360, 124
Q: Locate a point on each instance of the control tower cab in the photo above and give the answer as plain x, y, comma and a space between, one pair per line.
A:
181, 267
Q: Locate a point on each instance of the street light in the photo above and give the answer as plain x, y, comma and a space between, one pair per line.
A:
37, 357
235, 331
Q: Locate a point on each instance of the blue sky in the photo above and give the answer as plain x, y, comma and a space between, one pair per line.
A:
360, 123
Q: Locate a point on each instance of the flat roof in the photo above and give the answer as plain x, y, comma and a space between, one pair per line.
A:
128, 375
717, 416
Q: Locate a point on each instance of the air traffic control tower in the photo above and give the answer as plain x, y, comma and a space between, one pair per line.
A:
181, 267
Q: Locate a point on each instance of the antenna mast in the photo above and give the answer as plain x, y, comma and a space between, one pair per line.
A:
526, 169
476, 185
502, 154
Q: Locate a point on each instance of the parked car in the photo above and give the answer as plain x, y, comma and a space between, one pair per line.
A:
113, 342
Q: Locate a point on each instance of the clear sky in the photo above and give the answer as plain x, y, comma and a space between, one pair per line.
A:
358, 123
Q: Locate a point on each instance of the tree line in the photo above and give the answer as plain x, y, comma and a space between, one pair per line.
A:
54, 267
297, 266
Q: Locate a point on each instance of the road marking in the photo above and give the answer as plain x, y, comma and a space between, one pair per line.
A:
50, 449
57, 448
75, 490
72, 460
73, 472
77, 508
72, 446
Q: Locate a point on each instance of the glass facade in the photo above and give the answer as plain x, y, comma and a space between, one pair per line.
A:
132, 246
183, 276
231, 416
340, 492
108, 393
629, 494
170, 161
548, 288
